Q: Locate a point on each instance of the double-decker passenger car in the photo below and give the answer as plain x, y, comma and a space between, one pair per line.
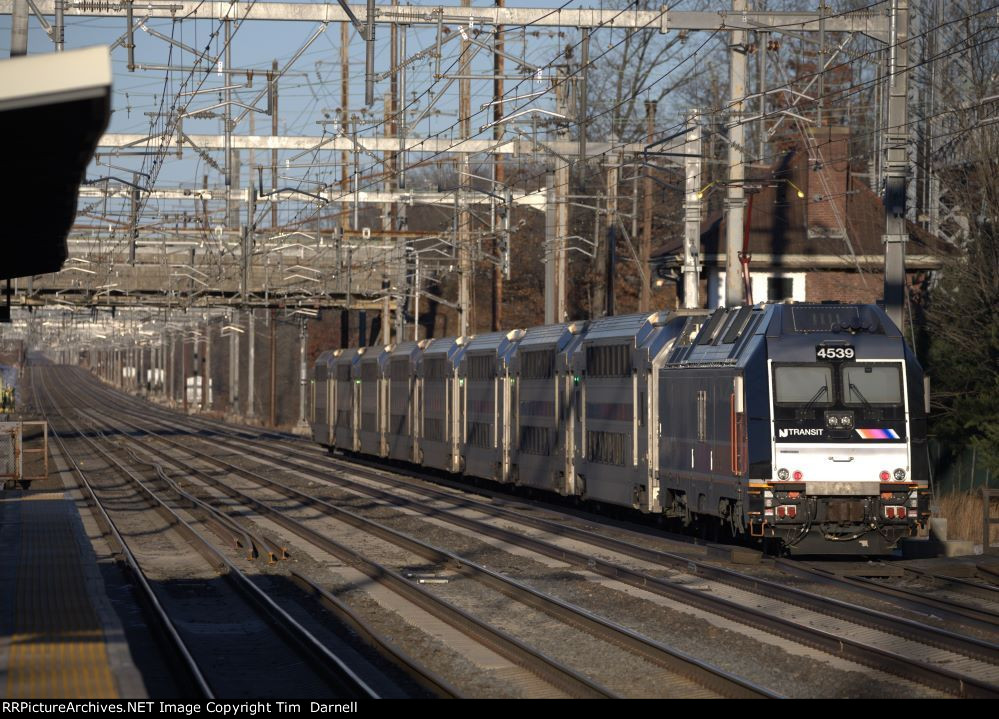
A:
800, 423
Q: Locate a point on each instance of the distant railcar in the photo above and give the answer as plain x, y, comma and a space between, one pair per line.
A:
800, 423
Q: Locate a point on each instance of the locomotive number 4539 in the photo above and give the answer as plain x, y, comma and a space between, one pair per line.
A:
839, 352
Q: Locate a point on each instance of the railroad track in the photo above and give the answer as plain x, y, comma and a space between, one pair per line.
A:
673, 673
229, 634
971, 662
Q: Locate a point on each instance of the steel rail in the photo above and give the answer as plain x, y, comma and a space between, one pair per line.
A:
562, 678
865, 616
904, 597
932, 675
324, 662
192, 678
667, 657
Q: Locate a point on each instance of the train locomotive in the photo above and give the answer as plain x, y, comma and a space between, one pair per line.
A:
799, 424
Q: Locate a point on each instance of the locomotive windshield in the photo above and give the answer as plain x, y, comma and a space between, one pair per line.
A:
803, 385
872, 384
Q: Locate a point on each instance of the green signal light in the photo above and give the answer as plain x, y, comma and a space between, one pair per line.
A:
575, 379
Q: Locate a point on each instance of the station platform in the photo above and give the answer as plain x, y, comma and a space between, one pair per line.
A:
60, 637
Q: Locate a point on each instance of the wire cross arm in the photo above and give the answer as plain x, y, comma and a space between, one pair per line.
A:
521, 113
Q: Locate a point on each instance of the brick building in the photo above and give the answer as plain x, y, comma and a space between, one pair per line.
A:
815, 232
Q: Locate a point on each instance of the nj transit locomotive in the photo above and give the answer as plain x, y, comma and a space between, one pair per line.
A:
800, 423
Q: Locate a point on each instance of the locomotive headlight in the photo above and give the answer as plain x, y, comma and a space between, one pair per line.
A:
832, 420
783, 474
847, 420
899, 475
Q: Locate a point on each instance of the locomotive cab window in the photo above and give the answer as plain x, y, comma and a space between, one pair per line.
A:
872, 384
803, 385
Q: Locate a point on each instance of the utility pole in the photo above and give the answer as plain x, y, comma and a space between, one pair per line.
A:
645, 245
234, 372
551, 233
227, 121
388, 209
206, 375
896, 160
612, 174
59, 29
251, 349
274, 131
692, 212
735, 199
19, 28
303, 376
463, 238
561, 196
273, 367
345, 176
499, 170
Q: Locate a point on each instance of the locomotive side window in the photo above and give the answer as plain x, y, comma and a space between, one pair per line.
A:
481, 367
872, 384
608, 360
399, 370
434, 368
803, 385
537, 364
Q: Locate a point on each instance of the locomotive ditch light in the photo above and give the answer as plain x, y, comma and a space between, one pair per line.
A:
899, 475
783, 474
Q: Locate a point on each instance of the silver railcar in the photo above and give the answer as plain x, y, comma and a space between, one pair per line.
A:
544, 408
345, 396
373, 401
403, 400
322, 415
440, 404
616, 433
485, 382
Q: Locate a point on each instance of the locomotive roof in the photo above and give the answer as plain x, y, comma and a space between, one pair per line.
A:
616, 327
835, 318
552, 335
348, 356
405, 348
795, 329
375, 354
488, 341
325, 358
442, 345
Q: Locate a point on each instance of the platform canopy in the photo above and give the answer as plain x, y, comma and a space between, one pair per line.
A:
53, 110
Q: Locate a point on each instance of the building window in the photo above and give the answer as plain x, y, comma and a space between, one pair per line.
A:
780, 288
